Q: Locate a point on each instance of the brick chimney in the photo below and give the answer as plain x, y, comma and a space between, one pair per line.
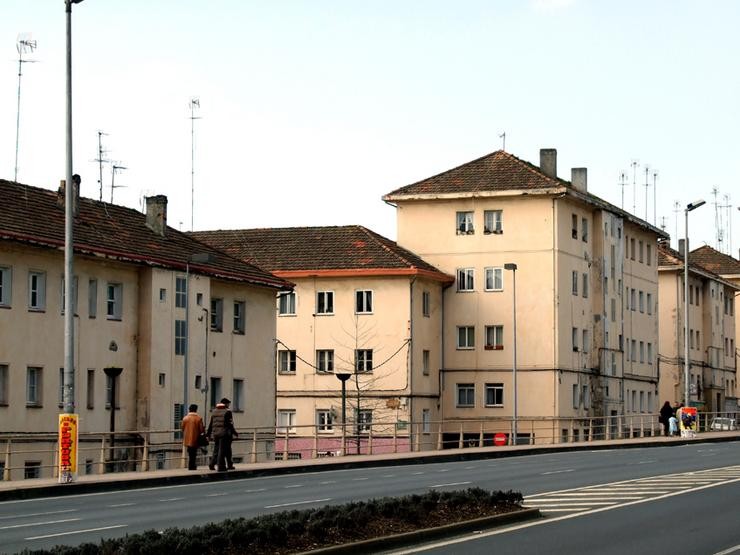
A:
681, 246
156, 214
549, 162
579, 179
62, 194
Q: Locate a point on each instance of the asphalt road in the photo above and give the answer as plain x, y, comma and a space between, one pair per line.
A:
75, 519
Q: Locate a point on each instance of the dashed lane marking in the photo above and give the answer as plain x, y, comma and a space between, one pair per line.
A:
298, 503
30, 524
76, 532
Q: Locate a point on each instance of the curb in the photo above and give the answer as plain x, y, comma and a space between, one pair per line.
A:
428, 534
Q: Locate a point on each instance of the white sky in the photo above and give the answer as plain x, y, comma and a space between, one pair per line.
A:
311, 110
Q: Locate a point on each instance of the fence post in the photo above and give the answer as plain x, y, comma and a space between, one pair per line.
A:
395, 437
344, 438
315, 454
101, 464
6, 469
285, 445
370, 440
254, 446
590, 429
480, 435
439, 437
417, 436
145, 455
55, 466
570, 431
460, 438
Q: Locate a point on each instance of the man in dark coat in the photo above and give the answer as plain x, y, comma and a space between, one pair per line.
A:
221, 430
666, 411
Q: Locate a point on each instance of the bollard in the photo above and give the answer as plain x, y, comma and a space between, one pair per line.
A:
254, 446
6, 470
145, 457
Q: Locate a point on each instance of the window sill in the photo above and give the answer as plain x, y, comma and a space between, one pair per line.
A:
465, 406
293, 314
114, 319
34, 406
330, 313
465, 291
41, 310
494, 347
235, 332
363, 313
5, 306
212, 330
465, 348
286, 373
494, 406
493, 290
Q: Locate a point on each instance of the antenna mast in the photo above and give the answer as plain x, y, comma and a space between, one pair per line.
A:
676, 210
655, 197
194, 103
647, 184
717, 221
503, 136
634, 165
24, 45
100, 160
623, 183
115, 169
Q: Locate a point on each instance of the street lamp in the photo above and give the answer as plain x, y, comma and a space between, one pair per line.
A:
343, 377
112, 373
511, 266
689, 207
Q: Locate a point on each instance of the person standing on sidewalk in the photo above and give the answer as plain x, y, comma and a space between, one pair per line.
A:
666, 412
192, 428
221, 429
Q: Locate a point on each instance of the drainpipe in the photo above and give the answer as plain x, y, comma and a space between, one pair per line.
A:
410, 407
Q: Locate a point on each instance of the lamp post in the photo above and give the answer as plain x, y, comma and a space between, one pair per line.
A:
689, 207
112, 373
198, 258
511, 266
343, 377
204, 388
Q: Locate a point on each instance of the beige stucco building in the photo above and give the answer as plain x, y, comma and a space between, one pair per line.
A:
133, 311
363, 307
586, 282
712, 331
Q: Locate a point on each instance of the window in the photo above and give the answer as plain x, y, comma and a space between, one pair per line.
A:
640, 258
691, 338
198, 299
585, 286
61, 387
425, 362
363, 302
632, 248
217, 314
426, 421
237, 400
325, 360
584, 230
464, 223
494, 279
109, 394
180, 337
612, 262
364, 421
198, 383
691, 294
36, 290
574, 282
576, 396
642, 301
90, 388
626, 247
425, 303
180, 292
649, 353
6, 280
649, 255
574, 339
614, 364
613, 311
494, 395
286, 362
586, 341
324, 420
31, 470
574, 226
215, 389
92, 298
162, 295
3, 384
63, 292
633, 304
493, 221
649, 303
642, 352
642, 401
698, 340
33, 386
494, 337
325, 302
584, 396
162, 379
286, 421
634, 350
363, 360
286, 303
239, 309
114, 301
465, 279
465, 395
465, 337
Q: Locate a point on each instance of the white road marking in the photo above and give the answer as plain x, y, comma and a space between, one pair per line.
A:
216, 494
327, 482
388, 476
29, 524
416, 473
443, 470
39, 514
558, 471
298, 503
254, 490
729, 550
171, 499
359, 479
120, 505
294, 486
447, 485
76, 532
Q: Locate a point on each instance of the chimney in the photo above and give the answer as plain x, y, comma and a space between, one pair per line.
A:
681, 246
579, 179
156, 214
549, 162
62, 194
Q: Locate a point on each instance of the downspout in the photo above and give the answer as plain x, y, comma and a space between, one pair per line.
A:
410, 379
440, 373
556, 373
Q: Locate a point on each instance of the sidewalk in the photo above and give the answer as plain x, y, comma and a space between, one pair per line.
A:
48, 487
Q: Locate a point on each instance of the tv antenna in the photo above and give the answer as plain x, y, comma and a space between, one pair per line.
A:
718, 221
194, 103
503, 136
647, 184
655, 197
115, 168
100, 160
623, 180
24, 45
634, 164
676, 210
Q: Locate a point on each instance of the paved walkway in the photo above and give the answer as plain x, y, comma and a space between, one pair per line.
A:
45, 487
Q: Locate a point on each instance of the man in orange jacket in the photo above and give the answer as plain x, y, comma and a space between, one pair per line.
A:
192, 428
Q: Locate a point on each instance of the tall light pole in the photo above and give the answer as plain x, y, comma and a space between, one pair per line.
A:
689, 207
343, 377
511, 266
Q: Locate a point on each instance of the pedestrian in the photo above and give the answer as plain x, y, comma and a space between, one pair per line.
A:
192, 429
221, 430
666, 412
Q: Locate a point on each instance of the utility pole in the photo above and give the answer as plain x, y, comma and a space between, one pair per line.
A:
24, 46
194, 103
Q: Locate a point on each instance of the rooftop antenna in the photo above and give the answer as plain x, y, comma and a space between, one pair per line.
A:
194, 103
635, 163
676, 210
100, 160
623, 183
662, 223
647, 184
726, 220
655, 197
114, 170
717, 221
503, 136
24, 45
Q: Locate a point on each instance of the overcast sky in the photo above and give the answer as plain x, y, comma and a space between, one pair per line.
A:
312, 110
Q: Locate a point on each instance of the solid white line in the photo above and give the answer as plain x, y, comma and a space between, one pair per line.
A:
569, 501
452, 484
293, 486
558, 471
388, 476
76, 532
39, 514
298, 503
729, 550
28, 525
121, 505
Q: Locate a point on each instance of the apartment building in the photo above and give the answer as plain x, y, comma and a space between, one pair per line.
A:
362, 307
712, 331
148, 299
586, 285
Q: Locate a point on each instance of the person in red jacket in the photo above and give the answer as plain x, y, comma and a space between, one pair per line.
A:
192, 428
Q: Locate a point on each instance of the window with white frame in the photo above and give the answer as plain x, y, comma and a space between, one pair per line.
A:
217, 314
33, 386
465, 337
493, 221
574, 338
114, 301
364, 421
584, 289
425, 303
363, 360
425, 362
239, 317
465, 394
325, 360
92, 298
237, 397
465, 279
426, 421
494, 337
63, 295
6, 280
286, 421
286, 361
4, 384
325, 302
464, 223
494, 395
363, 302
36, 290
286, 303
494, 279
574, 282
180, 337
324, 420
180, 292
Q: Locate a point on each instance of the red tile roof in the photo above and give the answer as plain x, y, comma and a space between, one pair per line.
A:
720, 263
33, 216
668, 257
331, 250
